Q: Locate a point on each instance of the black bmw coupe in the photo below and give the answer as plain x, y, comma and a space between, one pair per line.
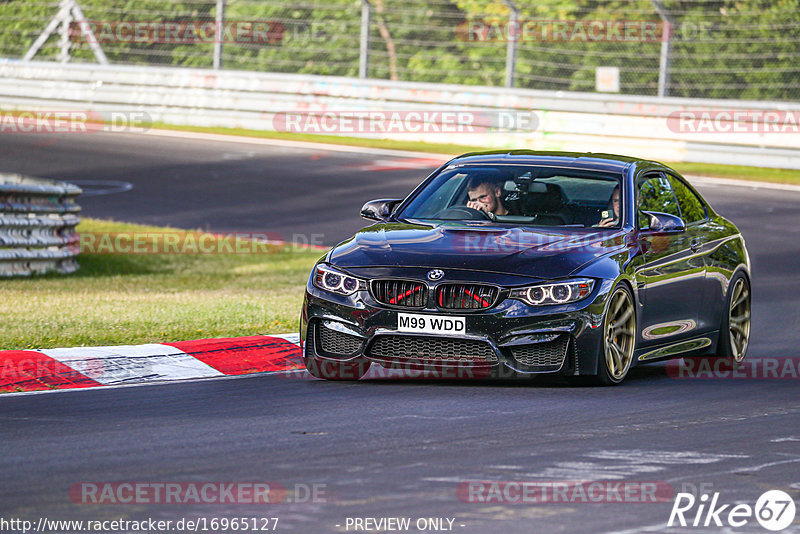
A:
532, 262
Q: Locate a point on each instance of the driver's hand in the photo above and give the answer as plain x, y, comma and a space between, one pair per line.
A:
474, 204
606, 223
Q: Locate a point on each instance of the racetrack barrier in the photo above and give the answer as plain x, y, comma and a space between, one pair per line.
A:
37, 226
755, 133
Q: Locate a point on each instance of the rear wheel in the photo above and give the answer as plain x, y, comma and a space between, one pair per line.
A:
619, 338
734, 334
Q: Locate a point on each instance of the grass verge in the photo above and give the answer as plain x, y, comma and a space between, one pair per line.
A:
118, 299
784, 176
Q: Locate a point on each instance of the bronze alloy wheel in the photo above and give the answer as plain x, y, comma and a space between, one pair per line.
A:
619, 331
739, 319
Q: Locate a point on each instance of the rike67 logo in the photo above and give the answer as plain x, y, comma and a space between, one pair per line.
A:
774, 510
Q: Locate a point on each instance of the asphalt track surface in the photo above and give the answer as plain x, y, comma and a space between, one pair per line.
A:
298, 194
387, 447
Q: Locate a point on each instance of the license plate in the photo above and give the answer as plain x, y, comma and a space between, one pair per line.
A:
431, 324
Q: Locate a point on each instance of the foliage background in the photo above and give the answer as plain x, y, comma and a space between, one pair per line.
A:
738, 49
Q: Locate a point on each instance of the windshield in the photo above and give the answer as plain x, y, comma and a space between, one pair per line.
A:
522, 195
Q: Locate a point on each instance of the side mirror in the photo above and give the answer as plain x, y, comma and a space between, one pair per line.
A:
664, 223
379, 210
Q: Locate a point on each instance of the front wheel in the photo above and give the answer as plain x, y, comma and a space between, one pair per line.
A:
619, 338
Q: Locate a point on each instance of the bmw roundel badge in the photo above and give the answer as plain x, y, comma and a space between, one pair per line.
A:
435, 274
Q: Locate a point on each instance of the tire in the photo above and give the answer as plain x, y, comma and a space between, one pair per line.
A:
331, 370
734, 333
619, 338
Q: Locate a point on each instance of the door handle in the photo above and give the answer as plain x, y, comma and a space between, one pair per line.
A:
695, 244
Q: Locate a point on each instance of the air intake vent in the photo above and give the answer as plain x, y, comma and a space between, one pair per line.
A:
432, 349
403, 293
466, 296
548, 355
336, 343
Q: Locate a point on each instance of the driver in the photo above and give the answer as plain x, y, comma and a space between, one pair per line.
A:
484, 195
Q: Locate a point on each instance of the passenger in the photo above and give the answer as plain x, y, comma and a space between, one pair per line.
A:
612, 220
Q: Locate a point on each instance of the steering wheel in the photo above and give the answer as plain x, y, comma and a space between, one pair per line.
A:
461, 213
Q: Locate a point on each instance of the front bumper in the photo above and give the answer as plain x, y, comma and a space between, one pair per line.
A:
511, 336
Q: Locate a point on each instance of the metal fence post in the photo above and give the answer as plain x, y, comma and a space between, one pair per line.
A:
511, 49
63, 31
363, 55
68, 11
63, 13
666, 48
88, 34
220, 22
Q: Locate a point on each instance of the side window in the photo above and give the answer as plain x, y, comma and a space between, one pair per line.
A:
692, 208
655, 194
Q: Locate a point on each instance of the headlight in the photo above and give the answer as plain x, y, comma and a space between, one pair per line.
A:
555, 293
329, 279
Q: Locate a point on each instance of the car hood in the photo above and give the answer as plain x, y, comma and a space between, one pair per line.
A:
535, 252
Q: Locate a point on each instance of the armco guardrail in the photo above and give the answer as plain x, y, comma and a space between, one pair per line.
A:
641, 126
37, 226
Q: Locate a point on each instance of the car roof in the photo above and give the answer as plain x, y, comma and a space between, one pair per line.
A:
576, 160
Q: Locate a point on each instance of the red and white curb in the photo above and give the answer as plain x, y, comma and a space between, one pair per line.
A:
84, 367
